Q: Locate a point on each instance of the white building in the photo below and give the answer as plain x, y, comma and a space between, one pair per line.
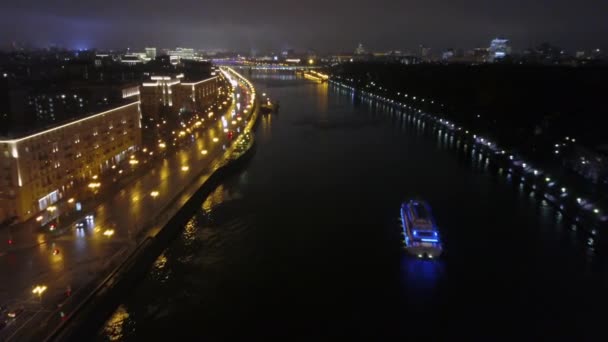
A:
183, 53
499, 48
151, 53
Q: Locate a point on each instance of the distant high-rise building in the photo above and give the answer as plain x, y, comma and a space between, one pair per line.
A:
360, 50
151, 53
182, 53
499, 48
425, 52
131, 59
481, 55
448, 54
288, 53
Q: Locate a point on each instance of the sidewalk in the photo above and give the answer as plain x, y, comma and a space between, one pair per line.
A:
32, 233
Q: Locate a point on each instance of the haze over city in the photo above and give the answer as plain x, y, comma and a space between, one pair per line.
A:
326, 26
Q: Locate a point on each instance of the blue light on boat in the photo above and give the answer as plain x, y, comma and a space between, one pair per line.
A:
429, 240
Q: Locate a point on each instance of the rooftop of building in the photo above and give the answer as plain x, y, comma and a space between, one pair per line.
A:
20, 133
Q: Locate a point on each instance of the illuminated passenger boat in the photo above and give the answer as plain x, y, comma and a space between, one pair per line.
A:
420, 230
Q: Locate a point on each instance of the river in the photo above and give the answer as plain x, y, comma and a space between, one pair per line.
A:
305, 244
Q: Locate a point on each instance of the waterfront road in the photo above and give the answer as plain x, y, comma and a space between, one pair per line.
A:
114, 228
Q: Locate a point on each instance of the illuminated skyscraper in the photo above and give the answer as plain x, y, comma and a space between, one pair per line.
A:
360, 50
499, 48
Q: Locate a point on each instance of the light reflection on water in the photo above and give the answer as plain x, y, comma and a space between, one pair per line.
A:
216, 197
119, 325
190, 230
421, 274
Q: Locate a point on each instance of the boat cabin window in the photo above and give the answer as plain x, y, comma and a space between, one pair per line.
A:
420, 211
423, 234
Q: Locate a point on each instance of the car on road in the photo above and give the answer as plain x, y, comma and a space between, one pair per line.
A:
14, 312
80, 224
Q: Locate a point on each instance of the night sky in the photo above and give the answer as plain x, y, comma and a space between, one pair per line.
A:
328, 25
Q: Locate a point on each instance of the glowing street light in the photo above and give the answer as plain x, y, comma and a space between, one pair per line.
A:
204, 152
39, 290
185, 168
215, 139
108, 232
154, 194
94, 185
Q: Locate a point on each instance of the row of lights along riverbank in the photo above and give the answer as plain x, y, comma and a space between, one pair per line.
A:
556, 194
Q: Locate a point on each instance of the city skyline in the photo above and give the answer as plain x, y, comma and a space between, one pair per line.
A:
238, 170
338, 26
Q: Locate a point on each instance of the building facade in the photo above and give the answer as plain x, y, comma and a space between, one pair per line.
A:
183, 53
39, 169
499, 48
169, 100
170, 95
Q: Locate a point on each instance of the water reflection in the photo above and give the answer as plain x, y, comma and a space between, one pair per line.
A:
421, 274
215, 198
118, 326
190, 230
321, 94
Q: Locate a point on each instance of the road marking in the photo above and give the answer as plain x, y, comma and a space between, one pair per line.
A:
21, 327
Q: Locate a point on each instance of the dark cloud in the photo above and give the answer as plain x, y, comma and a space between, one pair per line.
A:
325, 25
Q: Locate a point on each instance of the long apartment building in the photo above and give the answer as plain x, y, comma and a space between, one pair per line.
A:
168, 100
39, 169
170, 95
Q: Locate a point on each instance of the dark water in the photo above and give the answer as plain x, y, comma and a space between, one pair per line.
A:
306, 244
